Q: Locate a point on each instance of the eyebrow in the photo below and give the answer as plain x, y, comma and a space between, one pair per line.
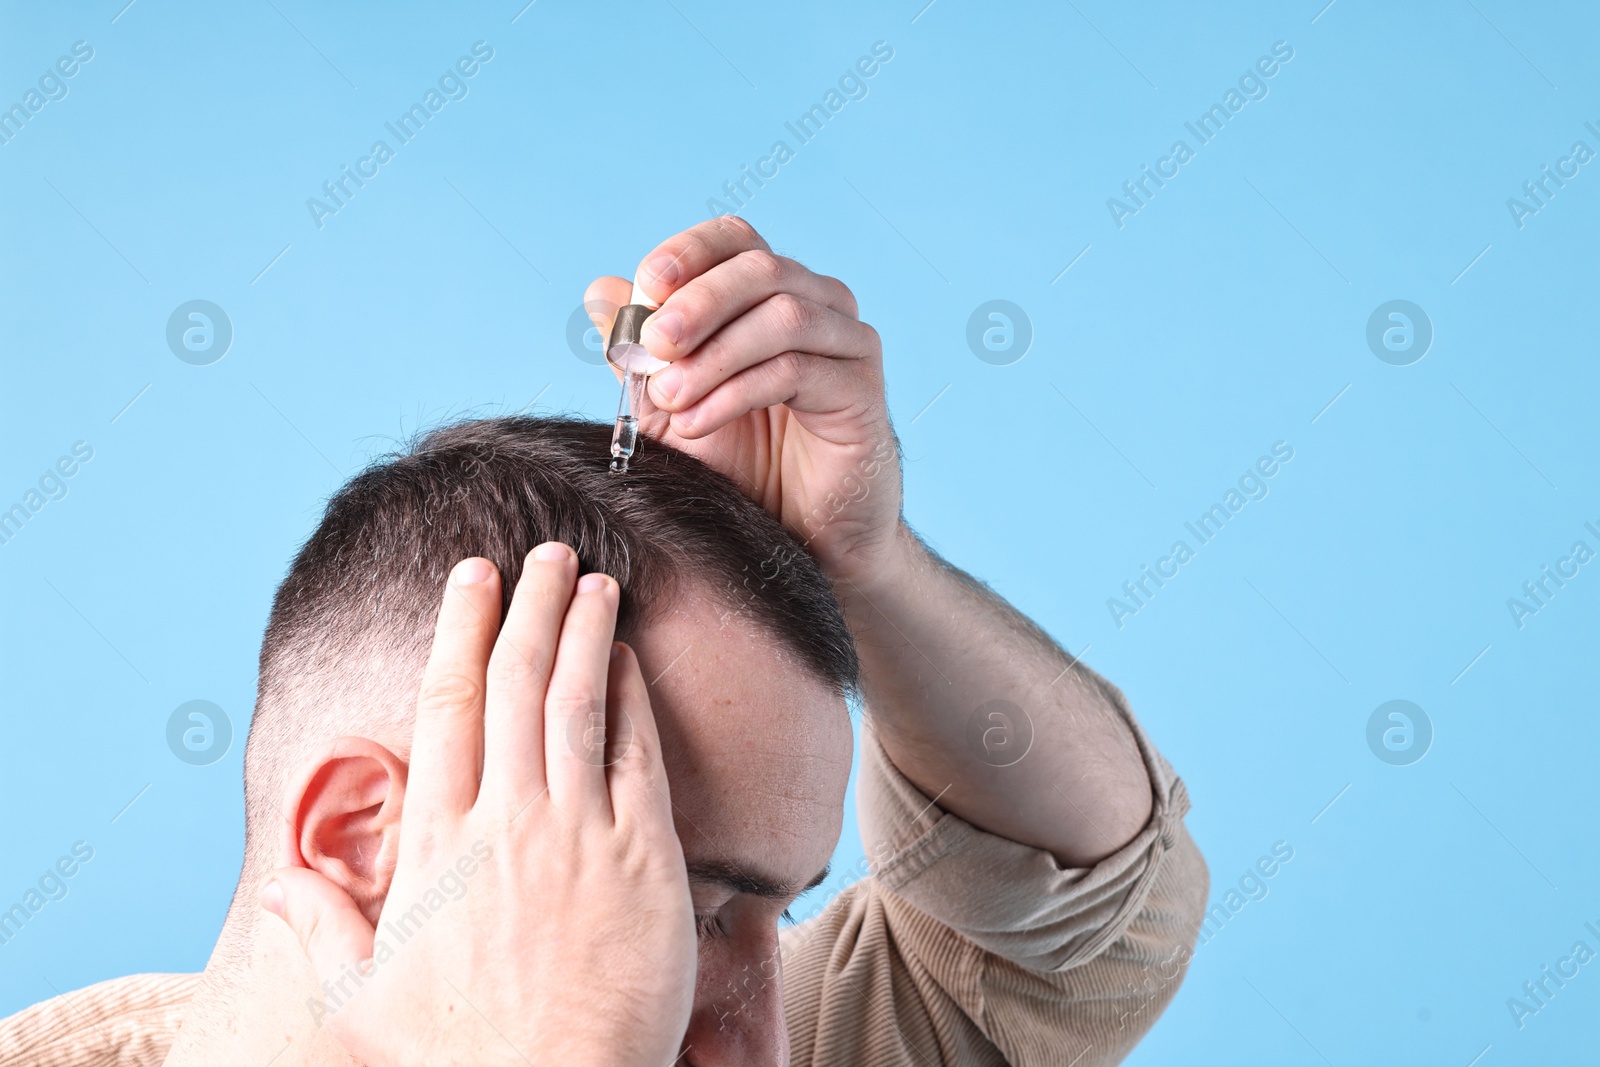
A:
742, 879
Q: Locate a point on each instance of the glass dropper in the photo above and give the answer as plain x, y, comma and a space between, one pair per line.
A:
625, 435
625, 352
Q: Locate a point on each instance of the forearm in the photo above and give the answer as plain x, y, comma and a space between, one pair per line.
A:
936, 647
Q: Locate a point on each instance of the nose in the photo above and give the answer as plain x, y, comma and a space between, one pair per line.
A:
738, 1020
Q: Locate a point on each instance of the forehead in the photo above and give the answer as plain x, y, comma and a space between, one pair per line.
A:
757, 748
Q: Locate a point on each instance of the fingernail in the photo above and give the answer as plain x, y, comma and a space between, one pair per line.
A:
664, 386
552, 552
616, 649
668, 324
272, 898
663, 268
592, 582
472, 571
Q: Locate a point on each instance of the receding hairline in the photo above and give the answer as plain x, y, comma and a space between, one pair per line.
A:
352, 624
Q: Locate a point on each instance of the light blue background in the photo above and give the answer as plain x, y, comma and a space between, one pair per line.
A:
1223, 317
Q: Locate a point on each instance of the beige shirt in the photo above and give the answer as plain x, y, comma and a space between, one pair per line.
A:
959, 948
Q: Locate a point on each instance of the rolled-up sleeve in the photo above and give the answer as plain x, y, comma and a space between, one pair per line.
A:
963, 947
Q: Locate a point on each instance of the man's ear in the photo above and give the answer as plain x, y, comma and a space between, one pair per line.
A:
344, 819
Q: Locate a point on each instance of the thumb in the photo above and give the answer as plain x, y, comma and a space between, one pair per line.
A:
601, 300
332, 931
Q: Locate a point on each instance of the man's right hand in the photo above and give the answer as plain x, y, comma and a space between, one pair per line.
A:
574, 940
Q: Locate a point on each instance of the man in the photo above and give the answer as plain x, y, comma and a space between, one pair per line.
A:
1034, 894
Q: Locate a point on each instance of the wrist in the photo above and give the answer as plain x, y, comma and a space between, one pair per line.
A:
851, 523
878, 577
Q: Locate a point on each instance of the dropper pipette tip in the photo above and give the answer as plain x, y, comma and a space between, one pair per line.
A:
625, 434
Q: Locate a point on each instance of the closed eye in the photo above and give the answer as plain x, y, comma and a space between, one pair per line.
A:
709, 926
739, 880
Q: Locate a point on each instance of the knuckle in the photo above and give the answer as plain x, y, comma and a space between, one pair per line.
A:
738, 227
792, 314
843, 296
713, 353
787, 367
512, 671
874, 340
634, 756
573, 702
764, 266
451, 692
426, 842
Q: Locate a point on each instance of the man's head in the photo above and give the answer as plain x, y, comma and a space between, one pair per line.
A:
747, 657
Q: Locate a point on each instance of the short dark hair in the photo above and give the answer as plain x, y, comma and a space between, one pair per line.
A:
360, 598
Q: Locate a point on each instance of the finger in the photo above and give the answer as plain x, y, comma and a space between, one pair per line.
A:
331, 930
575, 702
519, 672
687, 255
813, 387
707, 303
782, 323
636, 776
602, 299
447, 745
